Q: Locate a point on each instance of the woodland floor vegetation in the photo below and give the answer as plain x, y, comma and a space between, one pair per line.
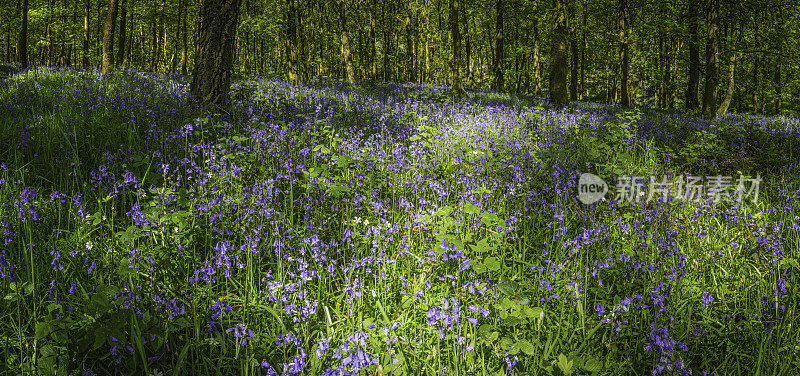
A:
337, 229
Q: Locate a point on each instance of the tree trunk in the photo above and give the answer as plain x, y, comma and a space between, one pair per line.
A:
211, 77
302, 67
292, 57
184, 36
712, 46
411, 51
388, 26
455, 36
374, 41
669, 86
48, 33
778, 58
624, 33
574, 68
732, 57
499, 56
108, 37
559, 61
22, 45
573, 56
537, 65
693, 85
726, 102
121, 41
346, 58
582, 90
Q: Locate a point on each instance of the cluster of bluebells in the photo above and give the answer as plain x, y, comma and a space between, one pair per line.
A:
246, 185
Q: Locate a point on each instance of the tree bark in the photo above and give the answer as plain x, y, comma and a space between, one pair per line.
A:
537, 65
211, 77
624, 33
778, 58
559, 61
121, 42
22, 45
108, 37
292, 58
455, 36
693, 85
411, 50
573, 56
732, 57
582, 90
712, 46
184, 36
346, 57
726, 102
499, 56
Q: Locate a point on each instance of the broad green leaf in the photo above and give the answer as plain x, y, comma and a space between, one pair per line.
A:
492, 263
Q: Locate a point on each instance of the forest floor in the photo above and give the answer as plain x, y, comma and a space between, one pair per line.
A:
386, 229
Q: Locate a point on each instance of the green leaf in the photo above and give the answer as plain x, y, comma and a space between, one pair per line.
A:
43, 329
181, 359
512, 321
99, 339
478, 267
527, 347
506, 343
507, 288
593, 366
564, 364
533, 312
485, 330
492, 263
470, 208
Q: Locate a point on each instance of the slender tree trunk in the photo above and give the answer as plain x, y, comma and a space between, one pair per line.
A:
624, 32
499, 55
292, 45
470, 66
669, 86
582, 90
184, 37
559, 61
22, 45
712, 46
574, 69
388, 25
455, 36
303, 69
573, 54
108, 37
374, 39
693, 85
211, 77
346, 58
122, 29
49, 35
726, 102
411, 51
732, 57
778, 61
537, 65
